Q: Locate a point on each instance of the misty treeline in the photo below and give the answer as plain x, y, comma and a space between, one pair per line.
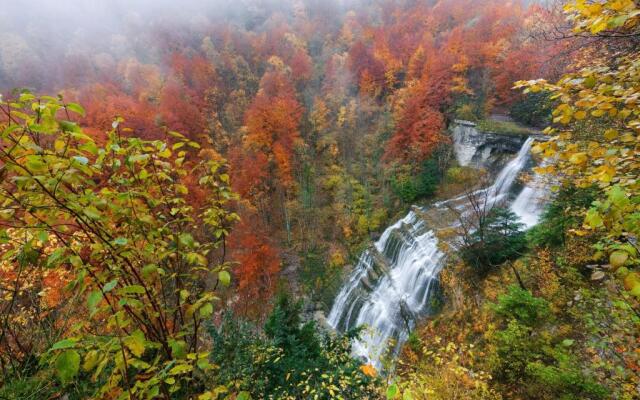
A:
203, 156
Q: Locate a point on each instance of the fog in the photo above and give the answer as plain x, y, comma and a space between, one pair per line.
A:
42, 40
38, 35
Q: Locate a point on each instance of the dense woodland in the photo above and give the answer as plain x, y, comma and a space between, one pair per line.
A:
178, 188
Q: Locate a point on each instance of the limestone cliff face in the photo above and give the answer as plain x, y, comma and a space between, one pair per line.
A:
474, 148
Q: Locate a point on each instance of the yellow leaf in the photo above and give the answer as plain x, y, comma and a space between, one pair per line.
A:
631, 280
578, 158
135, 343
580, 115
610, 134
627, 137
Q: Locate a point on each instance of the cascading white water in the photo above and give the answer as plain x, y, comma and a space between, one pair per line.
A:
391, 286
530, 202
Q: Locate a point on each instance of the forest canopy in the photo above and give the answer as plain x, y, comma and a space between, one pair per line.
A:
185, 186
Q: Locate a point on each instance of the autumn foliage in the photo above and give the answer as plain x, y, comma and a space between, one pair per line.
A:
314, 108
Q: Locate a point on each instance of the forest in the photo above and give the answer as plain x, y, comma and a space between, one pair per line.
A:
320, 199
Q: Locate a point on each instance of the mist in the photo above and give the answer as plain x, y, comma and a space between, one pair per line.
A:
36, 37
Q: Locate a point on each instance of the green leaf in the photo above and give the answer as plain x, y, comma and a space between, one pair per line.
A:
224, 277
69, 126
618, 197
63, 344
90, 360
206, 310
67, 365
618, 258
132, 289
243, 396
407, 395
92, 212
136, 158
76, 108
110, 285
187, 240
178, 348
120, 241
180, 369
149, 270
55, 258
590, 82
9, 130
93, 299
35, 164
43, 236
593, 218
204, 364
392, 391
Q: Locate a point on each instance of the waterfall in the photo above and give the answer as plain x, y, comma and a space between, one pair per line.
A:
391, 287
531, 201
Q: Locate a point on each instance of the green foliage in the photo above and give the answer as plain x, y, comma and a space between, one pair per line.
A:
499, 238
564, 381
515, 349
468, 108
117, 218
461, 174
286, 331
320, 276
522, 306
502, 128
533, 109
290, 361
526, 356
617, 217
423, 185
563, 213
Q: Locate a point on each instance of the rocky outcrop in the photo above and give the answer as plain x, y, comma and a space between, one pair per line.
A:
474, 148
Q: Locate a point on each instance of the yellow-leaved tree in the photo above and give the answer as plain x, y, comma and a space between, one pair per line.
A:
595, 137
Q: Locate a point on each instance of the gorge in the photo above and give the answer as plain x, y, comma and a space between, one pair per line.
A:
394, 282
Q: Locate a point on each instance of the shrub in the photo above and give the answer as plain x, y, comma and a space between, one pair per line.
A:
498, 238
563, 213
533, 109
289, 359
565, 381
515, 348
468, 112
461, 174
423, 185
521, 305
139, 260
526, 357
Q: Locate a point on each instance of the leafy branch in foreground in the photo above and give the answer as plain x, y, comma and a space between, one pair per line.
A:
115, 217
596, 131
